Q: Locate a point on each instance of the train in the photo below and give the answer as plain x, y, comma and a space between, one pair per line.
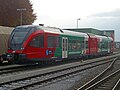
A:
36, 43
4, 35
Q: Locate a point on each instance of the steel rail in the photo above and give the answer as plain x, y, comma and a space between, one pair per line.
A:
91, 82
103, 80
54, 77
117, 85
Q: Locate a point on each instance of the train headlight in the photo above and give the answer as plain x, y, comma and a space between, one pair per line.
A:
8, 48
13, 51
8, 55
22, 48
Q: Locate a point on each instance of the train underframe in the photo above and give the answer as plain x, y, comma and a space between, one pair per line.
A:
22, 58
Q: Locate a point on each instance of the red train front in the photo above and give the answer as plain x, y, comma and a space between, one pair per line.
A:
28, 42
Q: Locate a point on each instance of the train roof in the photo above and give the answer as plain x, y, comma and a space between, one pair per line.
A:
5, 30
65, 32
56, 30
26, 26
110, 38
104, 37
86, 30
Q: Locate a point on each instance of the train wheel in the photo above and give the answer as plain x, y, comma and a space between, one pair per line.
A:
1, 60
10, 62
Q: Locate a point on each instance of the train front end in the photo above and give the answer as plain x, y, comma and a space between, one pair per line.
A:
17, 43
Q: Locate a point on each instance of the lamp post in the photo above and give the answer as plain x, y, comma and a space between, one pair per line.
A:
77, 21
21, 14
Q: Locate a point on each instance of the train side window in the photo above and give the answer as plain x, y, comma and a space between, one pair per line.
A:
73, 44
78, 45
38, 41
50, 41
82, 44
86, 44
104, 45
58, 41
70, 45
53, 41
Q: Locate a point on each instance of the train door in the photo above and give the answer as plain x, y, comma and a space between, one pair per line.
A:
86, 48
64, 47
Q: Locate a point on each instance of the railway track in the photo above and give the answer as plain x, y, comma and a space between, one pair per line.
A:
17, 69
53, 75
107, 83
109, 79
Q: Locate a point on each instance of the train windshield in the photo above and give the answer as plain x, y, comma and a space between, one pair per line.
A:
18, 36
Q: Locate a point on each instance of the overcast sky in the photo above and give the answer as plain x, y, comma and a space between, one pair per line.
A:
99, 14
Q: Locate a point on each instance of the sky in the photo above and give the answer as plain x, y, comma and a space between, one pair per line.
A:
98, 14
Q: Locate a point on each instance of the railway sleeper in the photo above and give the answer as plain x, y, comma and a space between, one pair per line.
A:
108, 85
